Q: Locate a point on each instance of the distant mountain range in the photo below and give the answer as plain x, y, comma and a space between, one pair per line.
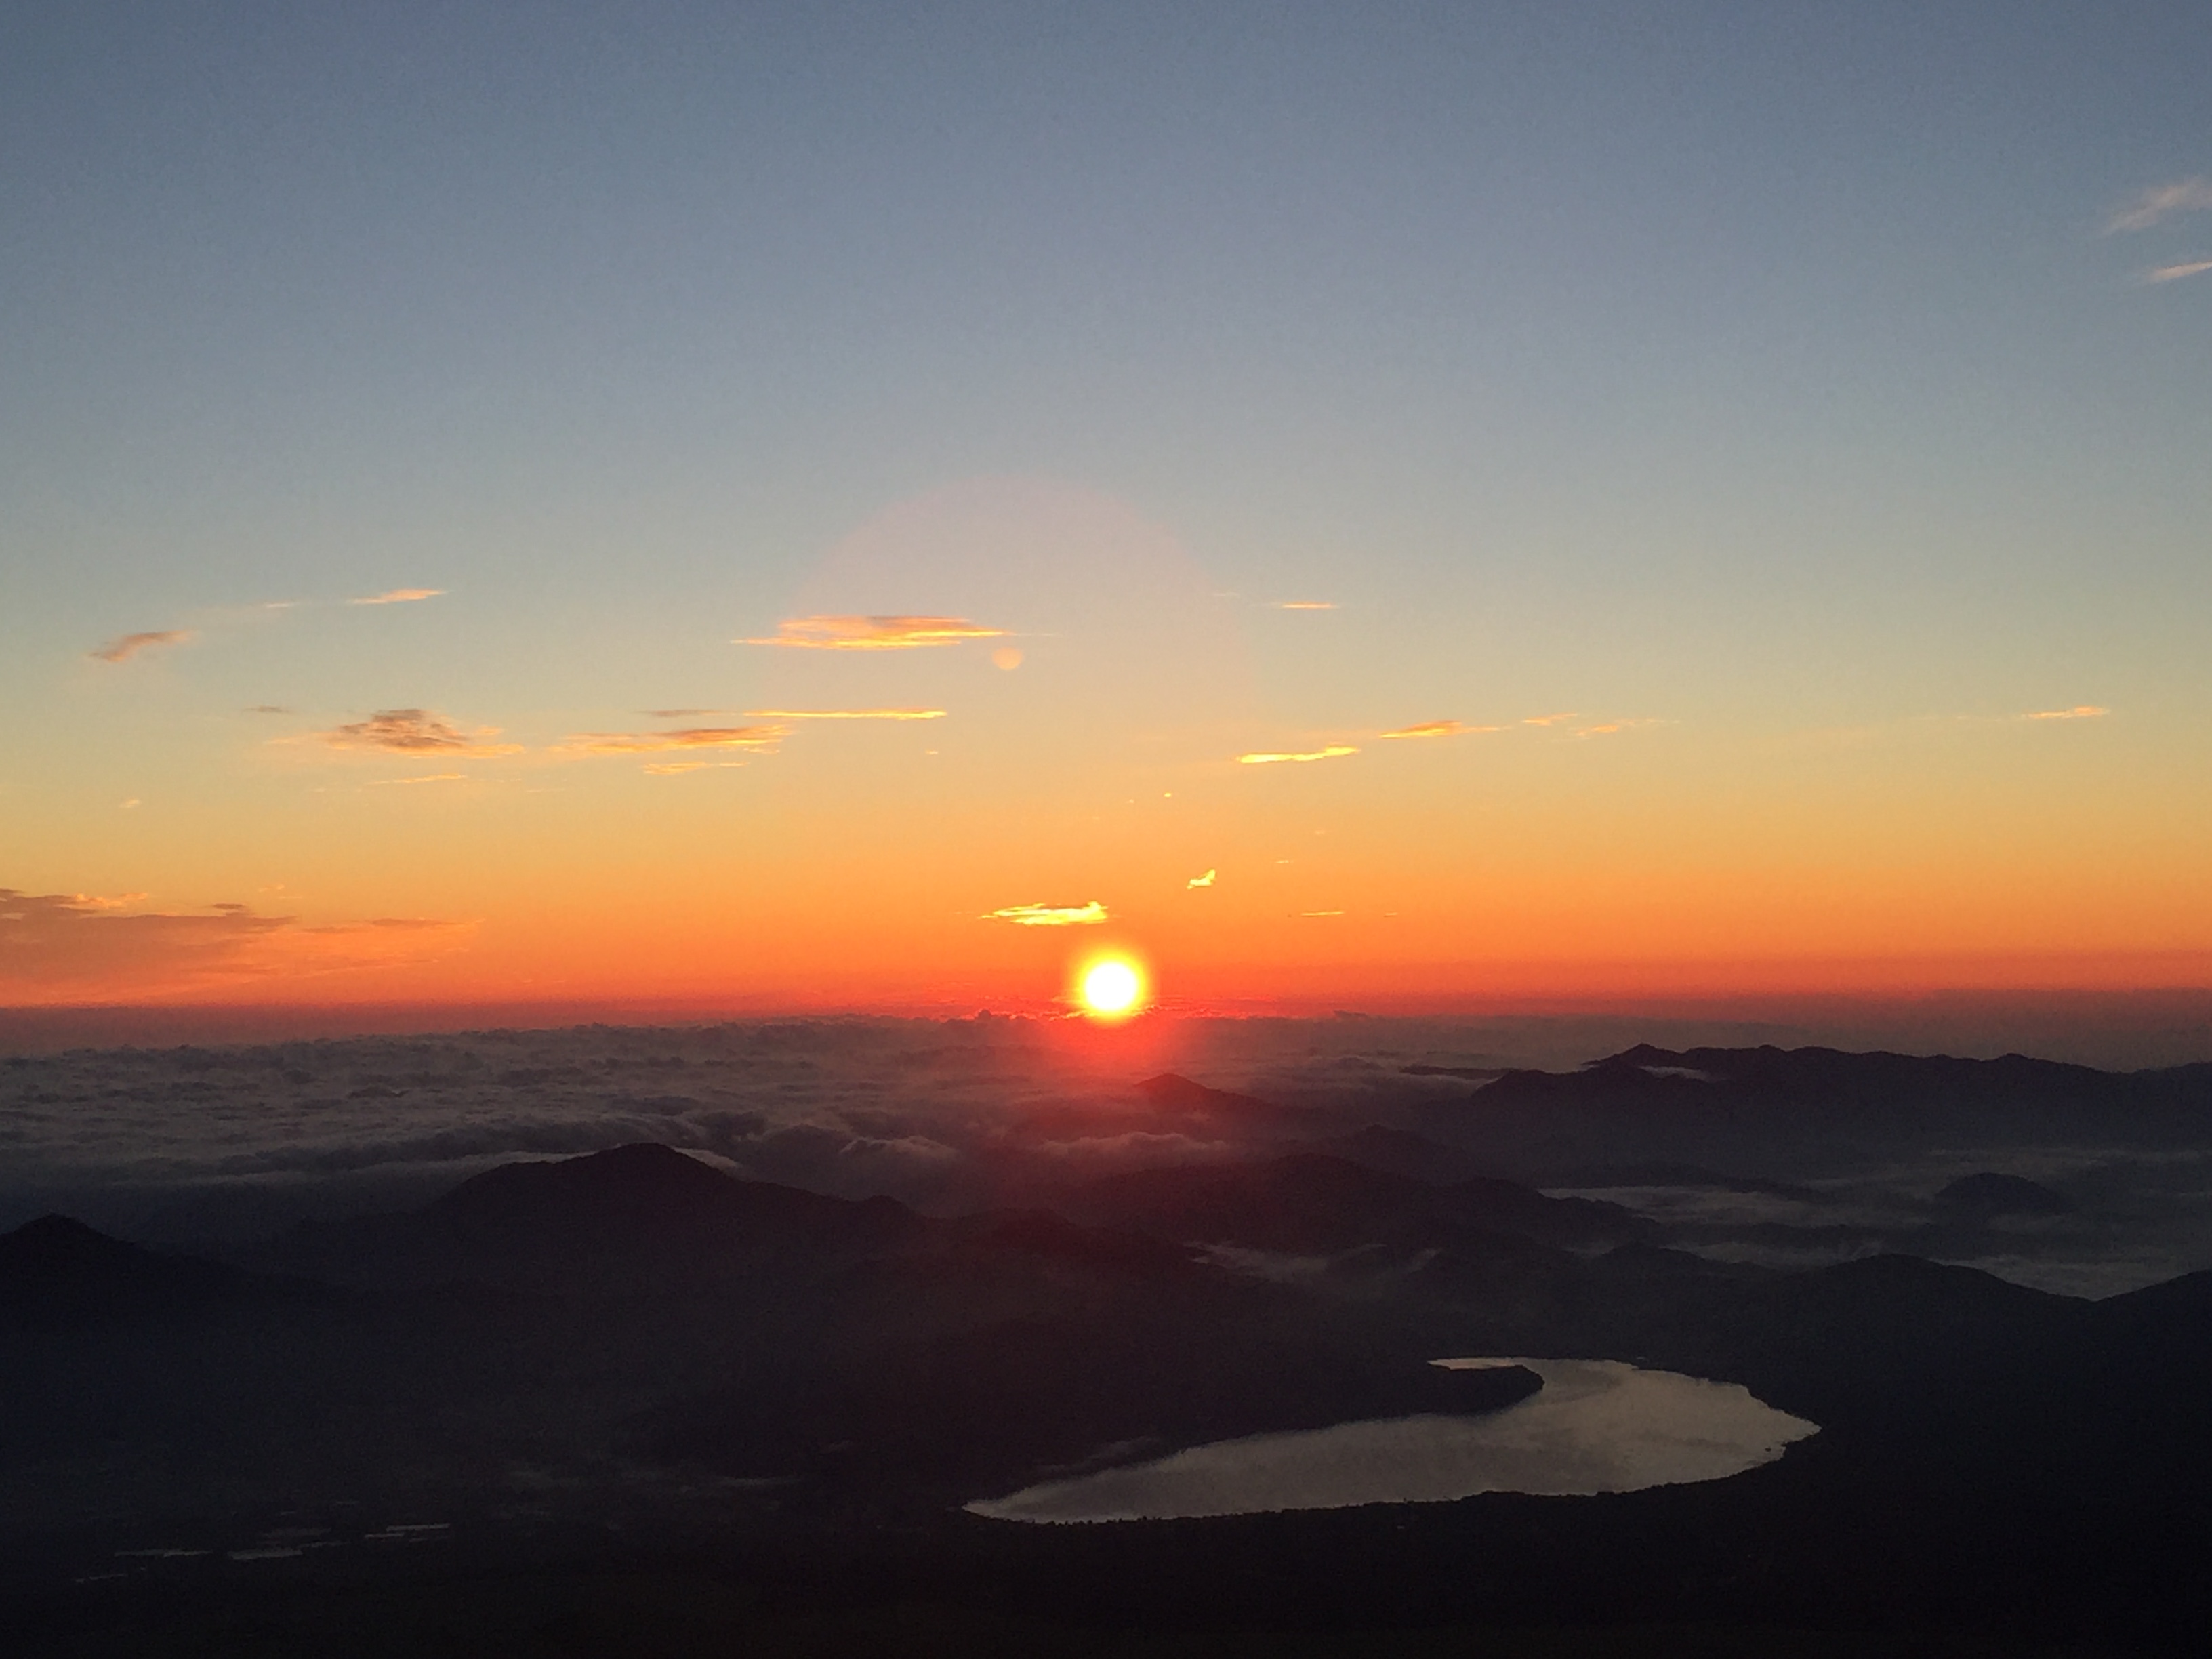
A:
556, 1337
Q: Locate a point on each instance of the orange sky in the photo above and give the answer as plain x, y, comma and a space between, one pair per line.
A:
973, 825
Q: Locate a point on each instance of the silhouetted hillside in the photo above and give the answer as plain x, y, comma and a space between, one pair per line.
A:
57, 1272
1988, 1195
1308, 1203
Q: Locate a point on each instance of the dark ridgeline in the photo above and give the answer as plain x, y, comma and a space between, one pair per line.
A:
60, 1275
1989, 1193
628, 1358
1753, 1110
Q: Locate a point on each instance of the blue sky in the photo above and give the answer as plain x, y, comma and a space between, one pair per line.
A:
1759, 370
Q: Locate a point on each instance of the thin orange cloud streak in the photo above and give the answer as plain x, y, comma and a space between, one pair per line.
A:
122, 649
875, 633
847, 713
757, 739
400, 596
1331, 752
1438, 729
1306, 605
2081, 711
1608, 727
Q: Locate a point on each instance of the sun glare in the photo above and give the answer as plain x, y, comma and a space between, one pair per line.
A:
1111, 987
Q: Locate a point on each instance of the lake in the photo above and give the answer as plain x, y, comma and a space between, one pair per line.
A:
1598, 1426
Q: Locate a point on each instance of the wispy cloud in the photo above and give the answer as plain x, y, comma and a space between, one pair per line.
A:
677, 768
2175, 273
1205, 880
847, 713
1306, 604
1549, 719
399, 596
52, 942
1438, 729
754, 740
1271, 759
1050, 916
268, 709
2160, 201
1321, 913
417, 731
428, 777
875, 633
2079, 712
1606, 728
127, 645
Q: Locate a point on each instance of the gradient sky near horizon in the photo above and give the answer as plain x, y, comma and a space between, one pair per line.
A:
1380, 504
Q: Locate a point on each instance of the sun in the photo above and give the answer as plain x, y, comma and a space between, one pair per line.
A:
1111, 987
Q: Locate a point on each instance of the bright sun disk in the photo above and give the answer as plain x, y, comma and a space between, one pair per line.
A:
1111, 986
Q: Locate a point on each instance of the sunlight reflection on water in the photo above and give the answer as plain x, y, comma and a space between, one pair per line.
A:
1597, 1427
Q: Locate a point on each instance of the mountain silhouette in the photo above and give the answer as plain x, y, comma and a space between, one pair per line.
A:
1311, 1202
57, 1272
1988, 1194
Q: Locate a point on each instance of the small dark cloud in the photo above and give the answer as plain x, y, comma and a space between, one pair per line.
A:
417, 731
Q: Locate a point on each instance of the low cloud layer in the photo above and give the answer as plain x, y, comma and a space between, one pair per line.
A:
2079, 712
875, 633
956, 1115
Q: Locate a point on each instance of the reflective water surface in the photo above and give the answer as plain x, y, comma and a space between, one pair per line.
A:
1598, 1426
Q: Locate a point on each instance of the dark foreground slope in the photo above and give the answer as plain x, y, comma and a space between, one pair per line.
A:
562, 1381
